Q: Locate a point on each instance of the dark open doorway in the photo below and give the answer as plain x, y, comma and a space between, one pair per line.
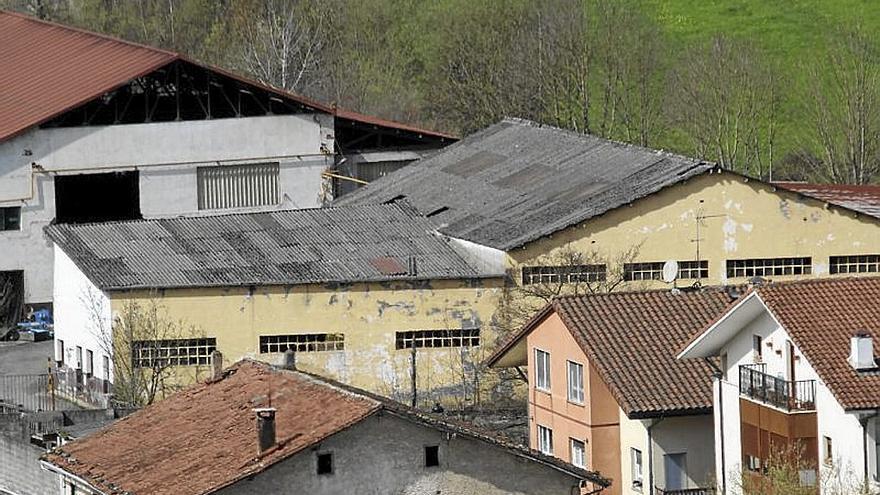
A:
97, 197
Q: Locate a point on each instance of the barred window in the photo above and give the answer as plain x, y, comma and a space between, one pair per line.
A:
176, 352
303, 342
762, 267
238, 186
565, 274
654, 270
861, 263
465, 337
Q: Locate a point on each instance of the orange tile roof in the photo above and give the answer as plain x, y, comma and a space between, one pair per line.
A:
204, 438
632, 339
47, 69
821, 316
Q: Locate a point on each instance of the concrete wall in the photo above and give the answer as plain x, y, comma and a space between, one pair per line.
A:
833, 421
385, 455
747, 219
368, 315
689, 435
20, 472
166, 156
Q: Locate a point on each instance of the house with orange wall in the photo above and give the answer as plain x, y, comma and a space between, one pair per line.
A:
607, 393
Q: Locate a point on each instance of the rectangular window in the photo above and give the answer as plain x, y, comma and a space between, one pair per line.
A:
10, 218
238, 186
304, 342
432, 456
827, 450
562, 274
636, 459
176, 352
753, 463
545, 440
542, 370
578, 453
59, 352
79, 357
105, 364
325, 464
862, 263
90, 363
766, 267
464, 337
756, 347
575, 382
654, 270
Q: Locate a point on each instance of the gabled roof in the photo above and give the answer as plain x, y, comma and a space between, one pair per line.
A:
47, 69
517, 181
631, 338
287, 247
210, 429
864, 199
820, 316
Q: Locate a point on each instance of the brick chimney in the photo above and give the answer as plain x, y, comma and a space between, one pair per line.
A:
288, 360
265, 428
217, 365
861, 351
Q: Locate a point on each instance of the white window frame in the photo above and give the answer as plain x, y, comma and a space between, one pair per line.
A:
578, 452
545, 440
542, 363
575, 387
637, 468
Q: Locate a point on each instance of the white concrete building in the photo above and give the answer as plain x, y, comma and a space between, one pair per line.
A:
93, 128
798, 375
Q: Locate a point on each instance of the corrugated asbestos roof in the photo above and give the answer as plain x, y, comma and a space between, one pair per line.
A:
372, 243
47, 69
632, 339
210, 429
864, 199
517, 181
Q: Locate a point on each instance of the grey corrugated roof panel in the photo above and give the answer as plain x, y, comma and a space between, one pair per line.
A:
286, 247
517, 181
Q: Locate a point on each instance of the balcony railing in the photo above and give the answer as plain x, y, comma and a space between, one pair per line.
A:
685, 491
755, 384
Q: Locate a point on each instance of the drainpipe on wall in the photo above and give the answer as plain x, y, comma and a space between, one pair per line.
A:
651, 453
864, 421
719, 375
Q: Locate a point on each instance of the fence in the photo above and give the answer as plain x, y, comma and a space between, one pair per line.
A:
56, 391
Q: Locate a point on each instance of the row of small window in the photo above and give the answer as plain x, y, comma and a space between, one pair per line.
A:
575, 376
577, 448
196, 352
324, 461
84, 362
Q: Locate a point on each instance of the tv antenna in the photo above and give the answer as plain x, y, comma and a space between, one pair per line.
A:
701, 218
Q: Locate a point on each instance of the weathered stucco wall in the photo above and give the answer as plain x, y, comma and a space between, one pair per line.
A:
166, 155
744, 219
385, 455
368, 315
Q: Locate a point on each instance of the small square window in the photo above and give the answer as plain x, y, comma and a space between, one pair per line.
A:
432, 456
10, 218
325, 463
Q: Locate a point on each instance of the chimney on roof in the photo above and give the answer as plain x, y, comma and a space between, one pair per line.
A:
861, 351
288, 360
265, 428
217, 365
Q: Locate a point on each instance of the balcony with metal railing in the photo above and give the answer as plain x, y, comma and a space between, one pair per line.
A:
685, 491
791, 396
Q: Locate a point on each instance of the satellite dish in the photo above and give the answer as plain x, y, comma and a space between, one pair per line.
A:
670, 271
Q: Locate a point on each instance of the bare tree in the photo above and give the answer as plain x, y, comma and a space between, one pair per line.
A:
842, 112
724, 99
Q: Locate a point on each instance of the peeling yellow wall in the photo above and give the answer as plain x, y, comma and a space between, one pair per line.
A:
368, 315
745, 219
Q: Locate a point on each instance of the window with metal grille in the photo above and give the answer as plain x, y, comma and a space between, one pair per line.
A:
654, 270
762, 267
564, 274
465, 337
10, 218
238, 186
175, 352
304, 342
860, 263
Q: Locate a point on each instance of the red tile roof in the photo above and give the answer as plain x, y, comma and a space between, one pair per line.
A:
863, 199
203, 438
47, 69
632, 339
821, 316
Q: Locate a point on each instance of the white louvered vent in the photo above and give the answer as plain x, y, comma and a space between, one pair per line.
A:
238, 186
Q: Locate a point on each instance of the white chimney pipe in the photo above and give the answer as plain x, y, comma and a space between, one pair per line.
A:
861, 351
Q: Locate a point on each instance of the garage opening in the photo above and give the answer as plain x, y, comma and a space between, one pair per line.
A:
97, 197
